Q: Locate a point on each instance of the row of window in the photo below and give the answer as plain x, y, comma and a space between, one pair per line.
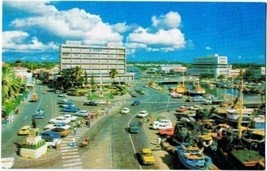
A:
92, 50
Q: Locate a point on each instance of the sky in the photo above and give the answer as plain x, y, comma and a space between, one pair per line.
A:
151, 31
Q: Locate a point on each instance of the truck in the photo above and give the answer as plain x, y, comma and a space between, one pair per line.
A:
34, 97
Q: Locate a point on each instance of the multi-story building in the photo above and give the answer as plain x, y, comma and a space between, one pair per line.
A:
211, 66
96, 60
258, 72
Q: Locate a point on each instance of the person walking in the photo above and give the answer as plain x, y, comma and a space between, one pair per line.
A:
73, 143
74, 130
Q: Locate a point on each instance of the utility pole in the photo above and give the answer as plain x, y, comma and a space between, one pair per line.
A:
240, 106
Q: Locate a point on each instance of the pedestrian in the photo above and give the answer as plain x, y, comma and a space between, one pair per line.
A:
79, 123
73, 144
88, 123
34, 123
158, 141
74, 130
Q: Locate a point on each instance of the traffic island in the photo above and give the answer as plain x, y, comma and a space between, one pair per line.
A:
34, 147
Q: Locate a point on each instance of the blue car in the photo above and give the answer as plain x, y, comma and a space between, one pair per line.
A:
135, 103
69, 109
40, 114
49, 136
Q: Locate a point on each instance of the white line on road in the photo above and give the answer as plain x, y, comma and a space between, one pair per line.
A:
25, 117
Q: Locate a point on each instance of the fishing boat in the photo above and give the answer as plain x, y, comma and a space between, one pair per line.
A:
198, 90
192, 157
181, 89
241, 156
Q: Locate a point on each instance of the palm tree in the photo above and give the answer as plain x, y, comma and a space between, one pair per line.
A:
11, 85
113, 74
77, 74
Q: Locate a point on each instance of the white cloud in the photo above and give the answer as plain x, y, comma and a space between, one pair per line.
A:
74, 24
169, 21
166, 40
34, 7
120, 27
164, 35
208, 48
20, 41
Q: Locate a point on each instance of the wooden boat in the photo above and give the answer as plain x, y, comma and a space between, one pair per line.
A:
192, 157
198, 90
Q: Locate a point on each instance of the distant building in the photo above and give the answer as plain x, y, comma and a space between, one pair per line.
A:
174, 68
211, 66
96, 60
25, 75
47, 75
258, 72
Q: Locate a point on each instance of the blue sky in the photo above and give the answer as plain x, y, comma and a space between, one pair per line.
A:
151, 31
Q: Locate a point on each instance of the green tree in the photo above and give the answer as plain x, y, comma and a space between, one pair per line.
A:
85, 78
11, 85
77, 73
113, 73
92, 81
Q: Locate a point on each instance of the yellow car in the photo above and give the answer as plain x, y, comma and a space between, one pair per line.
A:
24, 130
147, 156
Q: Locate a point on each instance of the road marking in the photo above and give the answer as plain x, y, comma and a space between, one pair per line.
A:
25, 117
70, 156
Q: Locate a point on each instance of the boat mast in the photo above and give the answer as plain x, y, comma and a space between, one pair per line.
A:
240, 105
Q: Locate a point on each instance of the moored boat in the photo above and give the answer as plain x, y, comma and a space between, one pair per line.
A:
198, 90
192, 157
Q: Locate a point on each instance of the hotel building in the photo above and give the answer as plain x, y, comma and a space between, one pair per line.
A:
211, 66
96, 60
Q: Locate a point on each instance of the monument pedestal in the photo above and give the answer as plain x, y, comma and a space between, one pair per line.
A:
34, 147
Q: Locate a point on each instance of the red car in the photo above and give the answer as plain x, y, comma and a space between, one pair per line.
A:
166, 132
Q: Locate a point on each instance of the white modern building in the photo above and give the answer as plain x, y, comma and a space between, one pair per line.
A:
96, 60
211, 66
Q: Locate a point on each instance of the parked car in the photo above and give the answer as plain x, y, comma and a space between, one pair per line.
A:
24, 130
60, 119
161, 126
100, 102
142, 114
83, 113
57, 125
67, 105
63, 101
69, 109
63, 132
147, 156
164, 121
166, 132
134, 127
71, 117
90, 103
135, 103
51, 138
125, 110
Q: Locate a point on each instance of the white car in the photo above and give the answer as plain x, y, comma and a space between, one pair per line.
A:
83, 113
60, 119
52, 126
101, 102
142, 114
163, 121
161, 126
125, 110
71, 117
